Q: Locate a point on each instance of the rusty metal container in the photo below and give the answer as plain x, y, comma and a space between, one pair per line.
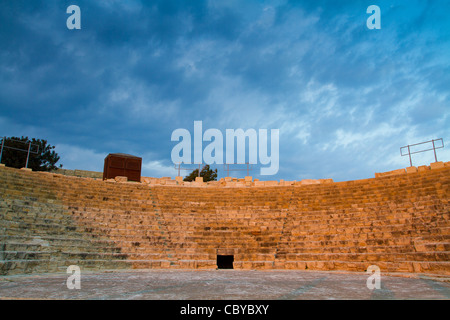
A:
121, 164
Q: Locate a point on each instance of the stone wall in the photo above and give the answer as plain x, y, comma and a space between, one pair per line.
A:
79, 173
398, 221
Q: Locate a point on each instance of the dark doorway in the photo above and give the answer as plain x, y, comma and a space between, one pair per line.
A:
225, 261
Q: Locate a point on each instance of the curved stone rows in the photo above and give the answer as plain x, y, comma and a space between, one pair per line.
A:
398, 221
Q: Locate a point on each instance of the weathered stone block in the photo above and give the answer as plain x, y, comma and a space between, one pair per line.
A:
436, 165
309, 181
225, 251
390, 173
279, 265
411, 169
121, 179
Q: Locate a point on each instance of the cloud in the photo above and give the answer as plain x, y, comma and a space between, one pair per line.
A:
73, 157
345, 98
157, 169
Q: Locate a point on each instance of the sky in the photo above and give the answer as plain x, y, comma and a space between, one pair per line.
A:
344, 97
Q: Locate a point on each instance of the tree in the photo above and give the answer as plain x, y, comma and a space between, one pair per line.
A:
42, 156
207, 173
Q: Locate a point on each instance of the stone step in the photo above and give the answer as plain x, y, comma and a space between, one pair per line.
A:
68, 245
349, 249
14, 267
367, 257
398, 222
433, 267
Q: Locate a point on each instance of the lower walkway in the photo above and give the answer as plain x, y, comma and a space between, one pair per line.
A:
220, 285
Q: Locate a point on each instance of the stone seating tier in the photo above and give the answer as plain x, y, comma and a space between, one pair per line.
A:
398, 221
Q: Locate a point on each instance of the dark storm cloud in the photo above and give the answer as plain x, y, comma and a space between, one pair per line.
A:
344, 97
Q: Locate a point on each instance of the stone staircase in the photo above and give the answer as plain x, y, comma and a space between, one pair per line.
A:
50, 221
400, 223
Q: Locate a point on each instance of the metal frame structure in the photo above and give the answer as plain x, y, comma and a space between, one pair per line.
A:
408, 147
188, 169
28, 150
226, 168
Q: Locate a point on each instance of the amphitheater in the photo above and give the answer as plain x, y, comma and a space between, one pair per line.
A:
398, 221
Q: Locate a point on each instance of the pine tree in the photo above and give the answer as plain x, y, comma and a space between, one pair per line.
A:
207, 173
42, 156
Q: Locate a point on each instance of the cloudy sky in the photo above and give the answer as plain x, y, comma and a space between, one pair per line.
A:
345, 98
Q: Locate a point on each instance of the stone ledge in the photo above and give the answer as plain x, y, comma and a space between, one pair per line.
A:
437, 165
390, 173
411, 170
248, 181
121, 179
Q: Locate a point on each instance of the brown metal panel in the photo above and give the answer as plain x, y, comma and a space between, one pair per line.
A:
119, 164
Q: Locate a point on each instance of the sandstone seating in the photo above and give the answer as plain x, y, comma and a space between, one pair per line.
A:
398, 221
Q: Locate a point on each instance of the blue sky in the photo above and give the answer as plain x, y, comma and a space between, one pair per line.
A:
345, 98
